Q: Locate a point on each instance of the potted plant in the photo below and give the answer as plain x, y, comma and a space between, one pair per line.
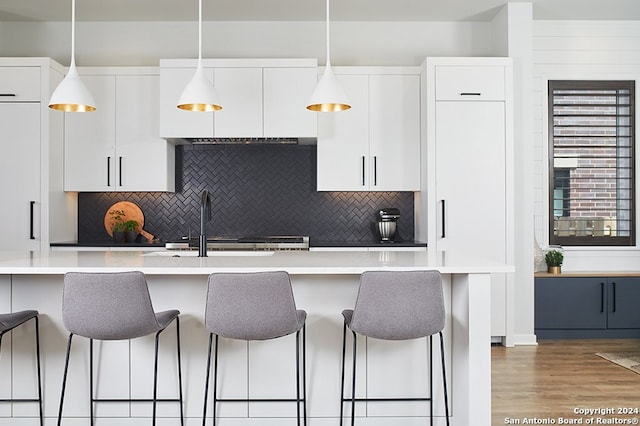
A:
131, 230
117, 227
554, 260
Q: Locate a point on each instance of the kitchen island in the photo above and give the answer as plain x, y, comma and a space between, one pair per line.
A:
324, 284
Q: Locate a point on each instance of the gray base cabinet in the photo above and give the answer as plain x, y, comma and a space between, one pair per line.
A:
587, 307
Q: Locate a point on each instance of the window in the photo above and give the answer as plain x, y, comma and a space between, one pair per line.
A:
591, 155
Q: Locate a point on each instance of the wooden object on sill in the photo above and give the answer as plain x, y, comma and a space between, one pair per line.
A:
131, 212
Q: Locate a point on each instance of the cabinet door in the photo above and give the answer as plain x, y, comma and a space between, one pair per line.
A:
20, 84
624, 301
286, 94
470, 177
240, 91
470, 83
20, 176
394, 122
144, 161
177, 123
343, 140
89, 154
570, 303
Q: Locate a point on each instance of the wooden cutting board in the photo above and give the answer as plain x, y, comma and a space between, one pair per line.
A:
131, 212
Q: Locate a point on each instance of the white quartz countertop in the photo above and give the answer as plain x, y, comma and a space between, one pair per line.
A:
294, 262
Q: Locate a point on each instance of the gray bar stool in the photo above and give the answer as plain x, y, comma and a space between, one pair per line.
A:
7, 323
114, 306
396, 306
253, 306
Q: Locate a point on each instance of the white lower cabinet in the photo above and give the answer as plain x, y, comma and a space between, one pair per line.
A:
471, 177
117, 147
375, 145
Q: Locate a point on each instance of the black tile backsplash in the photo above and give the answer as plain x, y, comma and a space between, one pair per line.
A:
256, 190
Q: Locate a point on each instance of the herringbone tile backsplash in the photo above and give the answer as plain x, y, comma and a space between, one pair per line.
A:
256, 190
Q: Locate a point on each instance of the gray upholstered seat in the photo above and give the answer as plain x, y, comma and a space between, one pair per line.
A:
253, 306
7, 323
396, 305
114, 306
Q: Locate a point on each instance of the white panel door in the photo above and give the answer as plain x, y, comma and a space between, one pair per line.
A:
240, 91
470, 177
471, 188
286, 94
343, 140
89, 140
144, 161
394, 120
177, 123
20, 176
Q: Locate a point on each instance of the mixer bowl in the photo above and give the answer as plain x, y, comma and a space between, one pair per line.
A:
386, 229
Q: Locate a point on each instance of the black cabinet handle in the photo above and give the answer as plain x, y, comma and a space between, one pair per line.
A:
108, 171
444, 218
470, 94
120, 170
614, 297
6, 95
31, 221
601, 297
375, 171
363, 165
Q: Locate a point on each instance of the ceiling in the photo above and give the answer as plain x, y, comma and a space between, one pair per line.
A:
310, 10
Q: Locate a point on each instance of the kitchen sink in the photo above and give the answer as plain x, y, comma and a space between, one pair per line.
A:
216, 253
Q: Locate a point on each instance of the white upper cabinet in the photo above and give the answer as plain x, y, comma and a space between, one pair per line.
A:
343, 140
19, 84
260, 98
117, 147
286, 94
90, 140
470, 83
374, 146
240, 91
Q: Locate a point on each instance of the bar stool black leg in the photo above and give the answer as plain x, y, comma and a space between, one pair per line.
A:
444, 379
344, 353
155, 379
179, 371
206, 381
304, 373
298, 377
39, 371
353, 384
91, 398
430, 342
64, 379
215, 380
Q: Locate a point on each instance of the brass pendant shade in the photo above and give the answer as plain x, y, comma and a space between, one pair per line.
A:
72, 95
199, 94
328, 96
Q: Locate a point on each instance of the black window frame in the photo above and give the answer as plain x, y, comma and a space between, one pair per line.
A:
554, 174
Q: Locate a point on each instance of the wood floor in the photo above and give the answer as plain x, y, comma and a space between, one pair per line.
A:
552, 379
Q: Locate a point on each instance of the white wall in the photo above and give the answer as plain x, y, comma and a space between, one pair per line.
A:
581, 50
144, 43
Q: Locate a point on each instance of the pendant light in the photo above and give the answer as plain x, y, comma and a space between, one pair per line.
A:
72, 95
328, 96
199, 94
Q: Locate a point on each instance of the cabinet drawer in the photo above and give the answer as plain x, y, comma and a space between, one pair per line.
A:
473, 83
19, 84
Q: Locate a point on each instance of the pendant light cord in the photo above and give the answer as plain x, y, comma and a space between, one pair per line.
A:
73, 33
199, 32
328, 64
